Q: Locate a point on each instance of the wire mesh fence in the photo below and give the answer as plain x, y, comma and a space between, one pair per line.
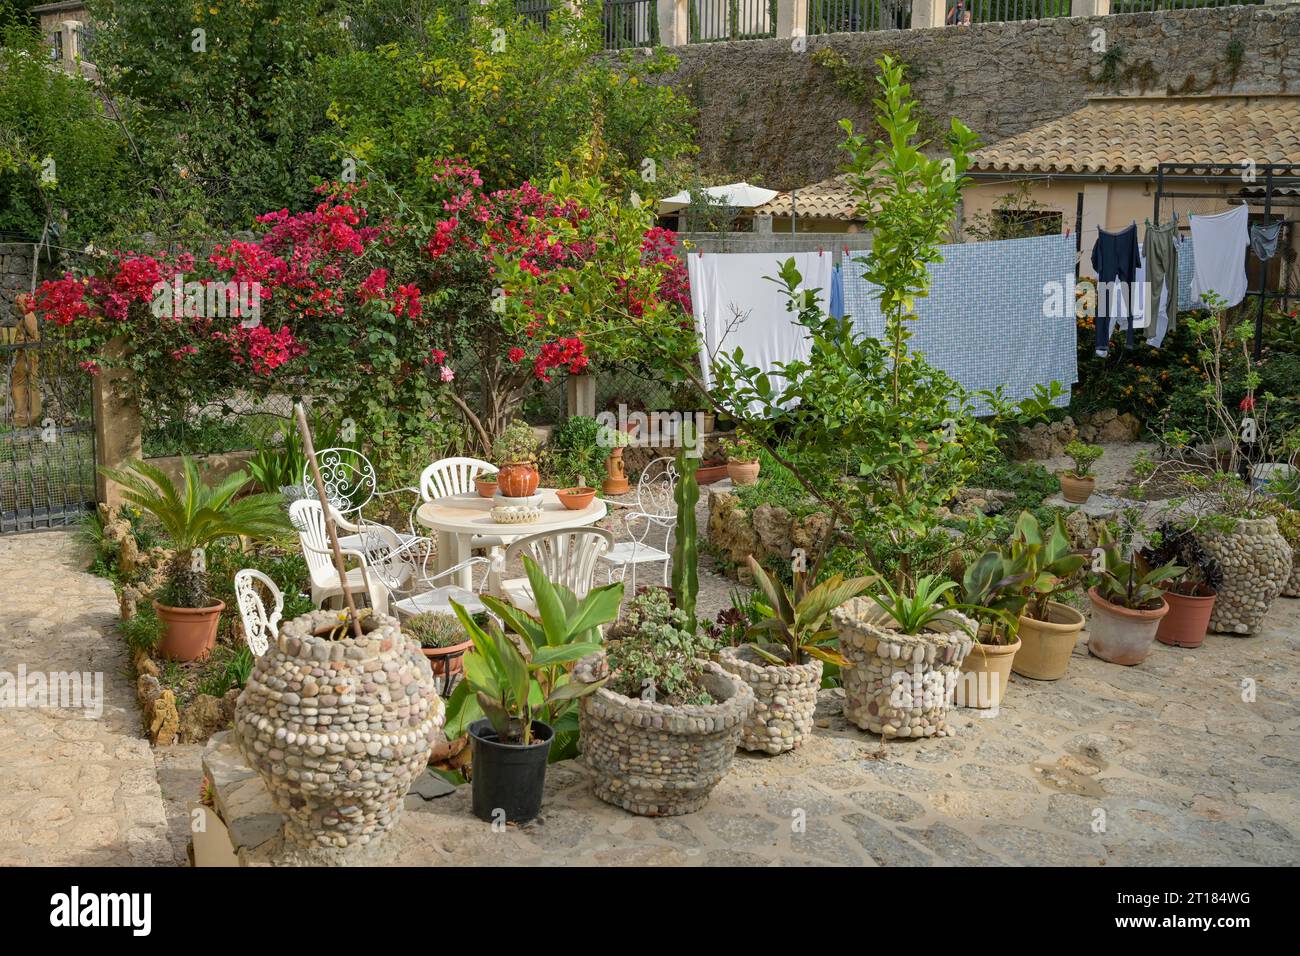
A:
234, 422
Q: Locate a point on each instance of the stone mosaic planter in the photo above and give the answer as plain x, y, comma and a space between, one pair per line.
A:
784, 697
653, 759
1257, 563
1292, 587
339, 729
900, 685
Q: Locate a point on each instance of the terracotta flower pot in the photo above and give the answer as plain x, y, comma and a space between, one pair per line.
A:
1122, 635
445, 662
575, 499
1188, 619
518, 479
486, 487
1046, 646
708, 474
1076, 490
742, 472
189, 633
985, 673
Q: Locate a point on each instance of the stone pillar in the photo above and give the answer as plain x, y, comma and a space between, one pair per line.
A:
791, 18
580, 396
71, 42
674, 22
1089, 8
117, 424
928, 13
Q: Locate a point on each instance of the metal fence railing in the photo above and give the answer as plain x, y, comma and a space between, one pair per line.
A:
538, 11
628, 24
1153, 6
714, 20
858, 16
963, 12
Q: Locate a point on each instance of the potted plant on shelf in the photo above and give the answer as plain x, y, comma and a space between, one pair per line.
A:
516, 701
615, 439
1077, 484
742, 460
1048, 629
193, 516
991, 595
904, 649
1191, 594
515, 451
443, 640
784, 681
577, 497
1127, 605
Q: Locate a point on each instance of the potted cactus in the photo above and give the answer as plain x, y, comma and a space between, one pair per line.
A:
516, 451
1077, 484
786, 673
443, 640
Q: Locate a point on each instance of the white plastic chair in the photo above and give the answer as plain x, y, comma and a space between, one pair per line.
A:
655, 511
567, 556
455, 476
309, 518
404, 571
260, 628
350, 485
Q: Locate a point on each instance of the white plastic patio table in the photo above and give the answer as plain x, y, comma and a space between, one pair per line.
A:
457, 518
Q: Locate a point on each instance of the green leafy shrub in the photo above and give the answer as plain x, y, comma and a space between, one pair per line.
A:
575, 451
1084, 457
143, 631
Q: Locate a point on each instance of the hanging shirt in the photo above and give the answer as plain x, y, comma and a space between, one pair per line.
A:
736, 305
837, 294
1221, 241
1115, 259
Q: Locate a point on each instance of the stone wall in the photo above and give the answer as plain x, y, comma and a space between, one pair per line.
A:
769, 114
15, 278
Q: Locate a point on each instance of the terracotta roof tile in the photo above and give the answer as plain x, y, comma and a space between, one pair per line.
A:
829, 199
1135, 134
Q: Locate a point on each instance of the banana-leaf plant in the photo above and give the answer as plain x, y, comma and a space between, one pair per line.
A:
798, 618
514, 679
1050, 566
1131, 583
990, 589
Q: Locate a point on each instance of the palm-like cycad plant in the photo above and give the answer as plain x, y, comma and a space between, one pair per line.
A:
194, 515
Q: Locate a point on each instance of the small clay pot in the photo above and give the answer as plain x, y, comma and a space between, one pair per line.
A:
1188, 619
742, 472
1076, 490
189, 633
445, 662
575, 499
518, 479
486, 487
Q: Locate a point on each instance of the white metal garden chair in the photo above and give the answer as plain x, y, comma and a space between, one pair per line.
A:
350, 485
652, 517
455, 476
567, 556
309, 519
260, 628
404, 570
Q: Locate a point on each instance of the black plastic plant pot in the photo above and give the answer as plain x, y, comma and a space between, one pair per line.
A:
508, 778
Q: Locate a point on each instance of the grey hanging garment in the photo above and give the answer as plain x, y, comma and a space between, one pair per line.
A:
1263, 239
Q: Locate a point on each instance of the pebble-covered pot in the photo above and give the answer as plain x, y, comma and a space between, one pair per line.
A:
785, 697
1292, 586
1256, 563
339, 729
654, 759
900, 685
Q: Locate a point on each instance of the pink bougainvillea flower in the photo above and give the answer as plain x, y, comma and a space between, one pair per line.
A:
446, 374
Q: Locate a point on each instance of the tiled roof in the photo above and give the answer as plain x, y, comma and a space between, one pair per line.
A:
829, 199
1134, 134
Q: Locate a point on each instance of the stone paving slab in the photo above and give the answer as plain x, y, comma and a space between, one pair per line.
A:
76, 791
1161, 764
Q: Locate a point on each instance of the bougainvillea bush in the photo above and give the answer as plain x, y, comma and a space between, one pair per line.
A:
387, 310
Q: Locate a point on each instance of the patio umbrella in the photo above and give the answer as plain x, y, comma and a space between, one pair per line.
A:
736, 195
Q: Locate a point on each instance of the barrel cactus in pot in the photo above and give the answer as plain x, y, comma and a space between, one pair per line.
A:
783, 664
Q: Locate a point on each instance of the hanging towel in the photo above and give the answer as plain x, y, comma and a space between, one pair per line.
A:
1221, 241
1263, 239
837, 293
737, 305
986, 321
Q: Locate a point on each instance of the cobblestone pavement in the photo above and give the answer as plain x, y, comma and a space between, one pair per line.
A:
75, 791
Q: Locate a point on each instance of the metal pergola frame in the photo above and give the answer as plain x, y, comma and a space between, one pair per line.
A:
1267, 176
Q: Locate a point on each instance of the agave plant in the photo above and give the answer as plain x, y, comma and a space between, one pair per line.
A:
798, 618
193, 515
914, 612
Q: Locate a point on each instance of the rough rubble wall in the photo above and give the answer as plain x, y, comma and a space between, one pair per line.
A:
770, 115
